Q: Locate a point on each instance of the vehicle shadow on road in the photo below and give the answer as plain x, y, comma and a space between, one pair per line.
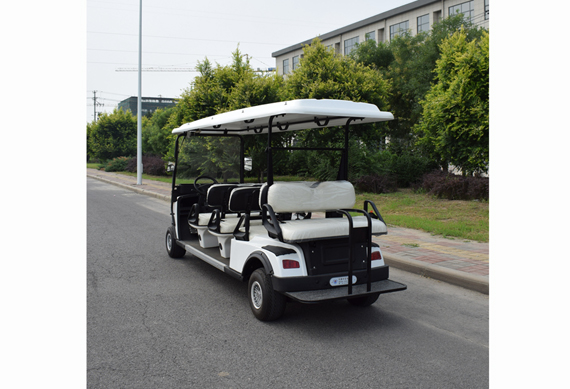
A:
338, 316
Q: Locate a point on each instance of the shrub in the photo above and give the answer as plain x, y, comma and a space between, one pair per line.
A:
118, 164
454, 187
409, 169
152, 164
376, 183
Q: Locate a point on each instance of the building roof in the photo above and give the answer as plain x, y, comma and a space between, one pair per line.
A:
384, 15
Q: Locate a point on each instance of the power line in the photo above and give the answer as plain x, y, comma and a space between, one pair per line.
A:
111, 93
157, 69
184, 38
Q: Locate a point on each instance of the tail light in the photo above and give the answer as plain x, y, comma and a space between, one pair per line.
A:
290, 264
376, 255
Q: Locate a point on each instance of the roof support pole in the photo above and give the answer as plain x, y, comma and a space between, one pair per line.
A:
269, 152
343, 168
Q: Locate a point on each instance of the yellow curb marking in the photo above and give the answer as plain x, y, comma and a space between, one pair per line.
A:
439, 248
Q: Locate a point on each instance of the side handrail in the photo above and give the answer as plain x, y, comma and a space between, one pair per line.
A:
242, 235
375, 210
194, 213
270, 222
214, 222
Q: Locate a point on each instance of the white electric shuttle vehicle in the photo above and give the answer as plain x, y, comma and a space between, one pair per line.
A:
290, 241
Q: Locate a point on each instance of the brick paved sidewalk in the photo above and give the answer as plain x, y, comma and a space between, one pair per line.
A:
454, 260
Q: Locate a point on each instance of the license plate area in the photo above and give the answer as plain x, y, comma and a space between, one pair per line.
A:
341, 281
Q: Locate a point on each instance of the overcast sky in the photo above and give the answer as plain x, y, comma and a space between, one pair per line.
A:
178, 34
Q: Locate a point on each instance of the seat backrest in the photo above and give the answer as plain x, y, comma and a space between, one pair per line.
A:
307, 196
218, 194
244, 199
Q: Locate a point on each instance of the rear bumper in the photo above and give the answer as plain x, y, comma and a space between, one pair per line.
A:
321, 281
317, 288
341, 292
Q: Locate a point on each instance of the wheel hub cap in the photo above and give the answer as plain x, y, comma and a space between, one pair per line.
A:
256, 295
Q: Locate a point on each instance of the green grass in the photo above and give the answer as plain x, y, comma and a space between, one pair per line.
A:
452, 219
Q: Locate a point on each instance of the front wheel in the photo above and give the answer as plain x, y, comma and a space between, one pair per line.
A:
266, 304
364, 301
172, 248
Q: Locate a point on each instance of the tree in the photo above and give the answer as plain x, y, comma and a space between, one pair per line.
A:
156, 135
409, 62
372, 54
113, 135
324, 75
220, 89
454, 128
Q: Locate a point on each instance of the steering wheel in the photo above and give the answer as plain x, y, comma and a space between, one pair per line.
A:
200, 188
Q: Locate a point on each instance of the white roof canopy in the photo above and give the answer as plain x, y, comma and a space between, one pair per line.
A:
287, 116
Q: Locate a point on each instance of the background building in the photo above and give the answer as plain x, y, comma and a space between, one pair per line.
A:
148, 104
416, 17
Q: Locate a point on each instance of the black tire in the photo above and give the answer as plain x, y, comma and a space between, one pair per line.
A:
266, 304
172, 248
364, 301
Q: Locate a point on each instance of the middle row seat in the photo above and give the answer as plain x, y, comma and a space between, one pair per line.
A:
226, 204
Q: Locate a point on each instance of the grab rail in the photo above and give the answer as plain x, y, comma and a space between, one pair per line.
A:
346, 212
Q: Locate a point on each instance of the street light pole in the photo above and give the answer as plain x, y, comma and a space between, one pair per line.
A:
139, 105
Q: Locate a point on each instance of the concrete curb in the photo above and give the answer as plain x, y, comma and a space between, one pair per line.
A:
469, 281
130, 187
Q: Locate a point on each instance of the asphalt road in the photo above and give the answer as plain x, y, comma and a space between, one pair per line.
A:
155, 322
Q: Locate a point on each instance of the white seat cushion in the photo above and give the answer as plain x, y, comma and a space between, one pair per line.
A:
227, 226
310, 229
307, 196
204, 219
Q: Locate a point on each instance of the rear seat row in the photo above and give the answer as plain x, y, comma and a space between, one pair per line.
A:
245, 210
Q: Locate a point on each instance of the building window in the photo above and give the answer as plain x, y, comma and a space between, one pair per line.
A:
370, 36
381, 35
350, 44
423, 23
398, 29
486, 9
295, 62
436, 17
467, 9
286, 66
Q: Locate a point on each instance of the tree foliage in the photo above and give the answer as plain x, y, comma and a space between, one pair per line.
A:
156, 135
455, 125
224, 88
409, 63
432, 83
324, 75
113, 135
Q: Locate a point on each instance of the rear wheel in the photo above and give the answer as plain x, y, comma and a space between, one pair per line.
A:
364, 301
266, 304
174, 251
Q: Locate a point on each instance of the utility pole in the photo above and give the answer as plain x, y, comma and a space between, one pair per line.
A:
95, 104
139, 106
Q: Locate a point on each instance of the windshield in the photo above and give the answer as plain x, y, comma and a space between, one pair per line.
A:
218, 157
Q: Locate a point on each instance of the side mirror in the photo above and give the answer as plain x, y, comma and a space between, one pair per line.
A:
247, 164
